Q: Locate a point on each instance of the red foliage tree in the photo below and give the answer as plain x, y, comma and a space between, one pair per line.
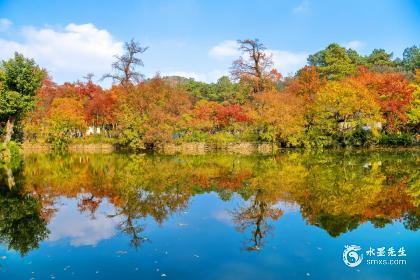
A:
101, 108
228, 114
213, 116
392, 92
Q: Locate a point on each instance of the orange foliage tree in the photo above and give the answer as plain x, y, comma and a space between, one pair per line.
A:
64, 120
306, 83
279, 116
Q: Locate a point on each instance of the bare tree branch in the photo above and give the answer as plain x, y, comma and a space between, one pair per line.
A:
125, 66
255, 67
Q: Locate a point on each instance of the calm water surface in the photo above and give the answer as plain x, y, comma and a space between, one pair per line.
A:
287, 216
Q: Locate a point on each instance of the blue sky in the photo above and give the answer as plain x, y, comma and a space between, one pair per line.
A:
197, 38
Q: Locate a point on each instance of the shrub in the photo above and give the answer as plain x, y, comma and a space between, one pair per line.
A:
399, 139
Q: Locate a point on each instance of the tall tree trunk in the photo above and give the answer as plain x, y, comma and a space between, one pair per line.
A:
9, 129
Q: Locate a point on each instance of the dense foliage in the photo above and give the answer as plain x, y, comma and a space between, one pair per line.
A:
341, 98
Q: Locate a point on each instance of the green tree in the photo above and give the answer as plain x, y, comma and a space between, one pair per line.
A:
414, 112
379, 57
20, 78
356, 58
334, 62
21, 224
411, 58
200, 90
224, 90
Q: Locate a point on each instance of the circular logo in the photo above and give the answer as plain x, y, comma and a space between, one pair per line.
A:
351, 257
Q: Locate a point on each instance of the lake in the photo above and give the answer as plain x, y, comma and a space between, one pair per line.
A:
216, 216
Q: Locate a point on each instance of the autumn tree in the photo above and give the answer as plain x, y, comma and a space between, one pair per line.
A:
254, 66
279, 117
149, 113
306, 83
125, 66
342, 108
64, 120
101, 109
34, 121
214, 122
393, 94
98, 105
20, 78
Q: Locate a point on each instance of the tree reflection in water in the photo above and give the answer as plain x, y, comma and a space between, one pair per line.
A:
22, 225
255, 217
335, 191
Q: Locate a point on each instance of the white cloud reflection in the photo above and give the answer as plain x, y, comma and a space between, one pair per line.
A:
81, 229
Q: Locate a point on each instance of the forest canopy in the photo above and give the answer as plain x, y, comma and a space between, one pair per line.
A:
341, 98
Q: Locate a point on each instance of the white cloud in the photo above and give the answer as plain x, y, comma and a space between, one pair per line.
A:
223, 216
302, 7
288, 62
68, 54
355, 45
287, 207
5, 24
228, 48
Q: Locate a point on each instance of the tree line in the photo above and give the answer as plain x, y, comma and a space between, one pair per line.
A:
341, 98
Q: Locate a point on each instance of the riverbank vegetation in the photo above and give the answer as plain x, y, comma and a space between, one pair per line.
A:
340, 99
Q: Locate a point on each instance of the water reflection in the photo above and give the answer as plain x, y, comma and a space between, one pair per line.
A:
82, 230
22, 222
254, 217
334, 191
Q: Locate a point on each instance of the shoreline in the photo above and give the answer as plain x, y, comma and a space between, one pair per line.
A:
201, 148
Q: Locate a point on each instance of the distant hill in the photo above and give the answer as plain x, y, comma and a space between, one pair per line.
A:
176, 80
